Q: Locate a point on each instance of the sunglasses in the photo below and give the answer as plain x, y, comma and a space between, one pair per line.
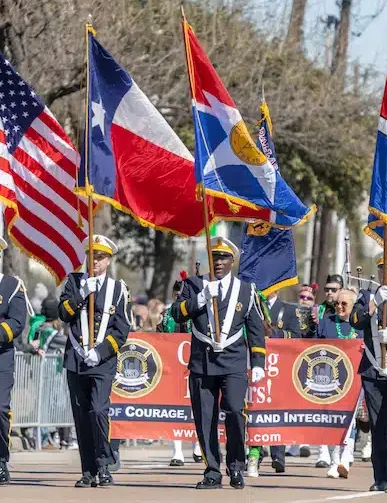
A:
305, 297
344, 304
330, 289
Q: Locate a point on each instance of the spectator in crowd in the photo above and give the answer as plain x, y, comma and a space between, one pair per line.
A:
332, 288
155, 310
140, 317
337, 326
40, 293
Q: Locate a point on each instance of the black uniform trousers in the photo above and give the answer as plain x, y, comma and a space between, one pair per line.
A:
6, 385
90, 400
375, 392
205, 392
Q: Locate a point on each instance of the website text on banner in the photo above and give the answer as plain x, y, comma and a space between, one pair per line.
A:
309, 394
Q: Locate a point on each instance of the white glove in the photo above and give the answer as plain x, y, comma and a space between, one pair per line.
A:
382, 334
381, 295
257, 374
89, 286
209, 291
92, 358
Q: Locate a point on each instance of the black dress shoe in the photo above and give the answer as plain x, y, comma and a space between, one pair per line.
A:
304, 452
382, 486
321, 464
278, 466
105, 477
176, 462
209, 483
4, 473
87, 480
236, 480
197, 459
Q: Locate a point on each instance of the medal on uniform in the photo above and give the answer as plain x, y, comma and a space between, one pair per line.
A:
280, 324
1, 299
112, 310
238, 306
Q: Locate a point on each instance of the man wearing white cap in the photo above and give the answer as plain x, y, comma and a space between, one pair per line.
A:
367, 316
220, 368
13, 312
90, 372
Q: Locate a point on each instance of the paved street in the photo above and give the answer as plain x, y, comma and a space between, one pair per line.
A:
146, 477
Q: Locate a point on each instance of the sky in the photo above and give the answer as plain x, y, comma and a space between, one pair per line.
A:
370, 47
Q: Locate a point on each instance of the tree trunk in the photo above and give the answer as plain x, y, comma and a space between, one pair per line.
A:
339, 63
323, 256
295, 30
164, 262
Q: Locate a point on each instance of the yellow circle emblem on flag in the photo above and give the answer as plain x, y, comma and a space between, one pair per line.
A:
243, 146
259, 228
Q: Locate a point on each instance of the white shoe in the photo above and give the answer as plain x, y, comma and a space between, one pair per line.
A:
333, 472
366, 451
73, 446
343, 470
252, 467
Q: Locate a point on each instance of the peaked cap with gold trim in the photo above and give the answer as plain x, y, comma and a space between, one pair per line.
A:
224, 245
379, 259
101, 243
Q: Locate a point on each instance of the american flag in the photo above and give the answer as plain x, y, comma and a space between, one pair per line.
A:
38, 166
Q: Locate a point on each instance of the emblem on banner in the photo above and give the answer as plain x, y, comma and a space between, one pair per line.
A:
139, 369
258, 228
322, 374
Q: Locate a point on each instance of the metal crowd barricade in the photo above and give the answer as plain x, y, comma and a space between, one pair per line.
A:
40, 397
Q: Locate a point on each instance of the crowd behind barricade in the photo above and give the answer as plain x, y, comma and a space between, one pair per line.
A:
46, 334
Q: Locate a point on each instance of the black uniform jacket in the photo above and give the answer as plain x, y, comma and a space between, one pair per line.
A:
233, 358
284, 320
70, 306
360, 319
12, 320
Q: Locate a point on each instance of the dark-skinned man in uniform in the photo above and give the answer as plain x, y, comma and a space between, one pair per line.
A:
367, 316
13, 312
220, 368
90, 372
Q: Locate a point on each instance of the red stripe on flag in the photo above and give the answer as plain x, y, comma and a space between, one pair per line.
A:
49, 232
56, 210
32, 248
47, 148
55, 127
34, 167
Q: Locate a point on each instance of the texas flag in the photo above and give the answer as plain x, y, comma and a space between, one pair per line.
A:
132, 158
228, 163
377, 218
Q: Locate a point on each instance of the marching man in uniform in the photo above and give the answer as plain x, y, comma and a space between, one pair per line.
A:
367, 316
13, 312
90, 372
220, 368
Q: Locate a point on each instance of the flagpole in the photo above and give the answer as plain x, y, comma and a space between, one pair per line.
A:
384, 313
204, 195
89, 27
